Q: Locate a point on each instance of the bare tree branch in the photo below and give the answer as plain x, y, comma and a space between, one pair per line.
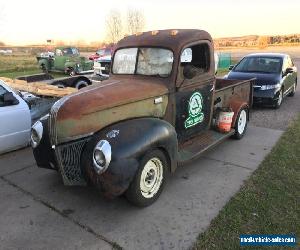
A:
114, 28
135, 21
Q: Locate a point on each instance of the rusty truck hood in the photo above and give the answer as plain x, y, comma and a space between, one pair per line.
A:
99, 105
110, 93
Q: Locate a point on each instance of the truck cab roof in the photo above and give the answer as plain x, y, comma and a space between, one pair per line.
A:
170, 39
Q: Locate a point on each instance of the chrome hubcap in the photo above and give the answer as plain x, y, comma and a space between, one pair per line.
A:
242, 122
151, 177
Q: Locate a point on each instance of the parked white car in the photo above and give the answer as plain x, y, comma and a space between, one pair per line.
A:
15, 120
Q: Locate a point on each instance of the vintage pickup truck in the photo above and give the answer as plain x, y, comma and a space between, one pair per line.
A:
67, 60
154, 113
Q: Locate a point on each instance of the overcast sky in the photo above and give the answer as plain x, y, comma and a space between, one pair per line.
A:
34, 21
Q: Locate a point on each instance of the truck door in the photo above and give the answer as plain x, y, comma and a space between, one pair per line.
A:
195, 88
59, 60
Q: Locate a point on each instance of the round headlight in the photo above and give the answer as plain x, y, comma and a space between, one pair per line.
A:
36, 134
101, 156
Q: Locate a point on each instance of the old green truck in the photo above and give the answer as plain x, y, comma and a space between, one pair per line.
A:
156, 112
67, 60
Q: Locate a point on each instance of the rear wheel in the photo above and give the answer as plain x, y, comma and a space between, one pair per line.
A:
292, 93
148, 183
81, 83
71, 72
241, 123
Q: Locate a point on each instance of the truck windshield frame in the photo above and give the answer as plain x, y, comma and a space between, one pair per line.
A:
70, 51
146, 61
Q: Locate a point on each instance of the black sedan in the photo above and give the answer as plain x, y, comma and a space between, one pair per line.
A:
276, 76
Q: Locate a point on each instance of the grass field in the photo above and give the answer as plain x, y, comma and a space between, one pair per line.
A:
268, 203
12, 63
13, 66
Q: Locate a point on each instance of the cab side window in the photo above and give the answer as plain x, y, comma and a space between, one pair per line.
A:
195, 59
58, 52
2, 92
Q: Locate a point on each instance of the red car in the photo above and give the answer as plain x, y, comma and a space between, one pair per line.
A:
101, 52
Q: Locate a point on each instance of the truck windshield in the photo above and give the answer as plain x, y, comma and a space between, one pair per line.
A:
143, 61
70, 51
260, 65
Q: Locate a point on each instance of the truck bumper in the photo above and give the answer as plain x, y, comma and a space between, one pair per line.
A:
87, 72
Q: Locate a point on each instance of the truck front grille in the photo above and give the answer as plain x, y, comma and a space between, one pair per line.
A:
52, 119
52, 127
68, 158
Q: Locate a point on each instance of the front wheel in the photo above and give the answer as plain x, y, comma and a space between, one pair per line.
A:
241, 123
278, 102
44, 69
148, 183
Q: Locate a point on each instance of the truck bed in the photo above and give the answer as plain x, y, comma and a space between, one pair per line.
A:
225, 90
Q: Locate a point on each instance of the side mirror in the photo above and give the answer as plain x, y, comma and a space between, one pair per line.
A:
231, 67
189, 72
10, 99
289, 70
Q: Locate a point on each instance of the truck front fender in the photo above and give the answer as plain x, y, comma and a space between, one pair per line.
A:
129, 141
71, 65
44, 61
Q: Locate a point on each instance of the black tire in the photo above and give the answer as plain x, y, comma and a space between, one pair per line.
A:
81, 83
71, 72
59, 85
134, 193
238, 133
291, 94
44, 69
278, 102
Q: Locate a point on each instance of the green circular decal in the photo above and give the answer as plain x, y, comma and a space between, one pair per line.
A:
195, 110
195, 104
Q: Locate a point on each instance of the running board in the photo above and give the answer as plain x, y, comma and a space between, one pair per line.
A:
196, 146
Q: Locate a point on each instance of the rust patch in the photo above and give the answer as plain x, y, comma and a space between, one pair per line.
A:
110, 94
